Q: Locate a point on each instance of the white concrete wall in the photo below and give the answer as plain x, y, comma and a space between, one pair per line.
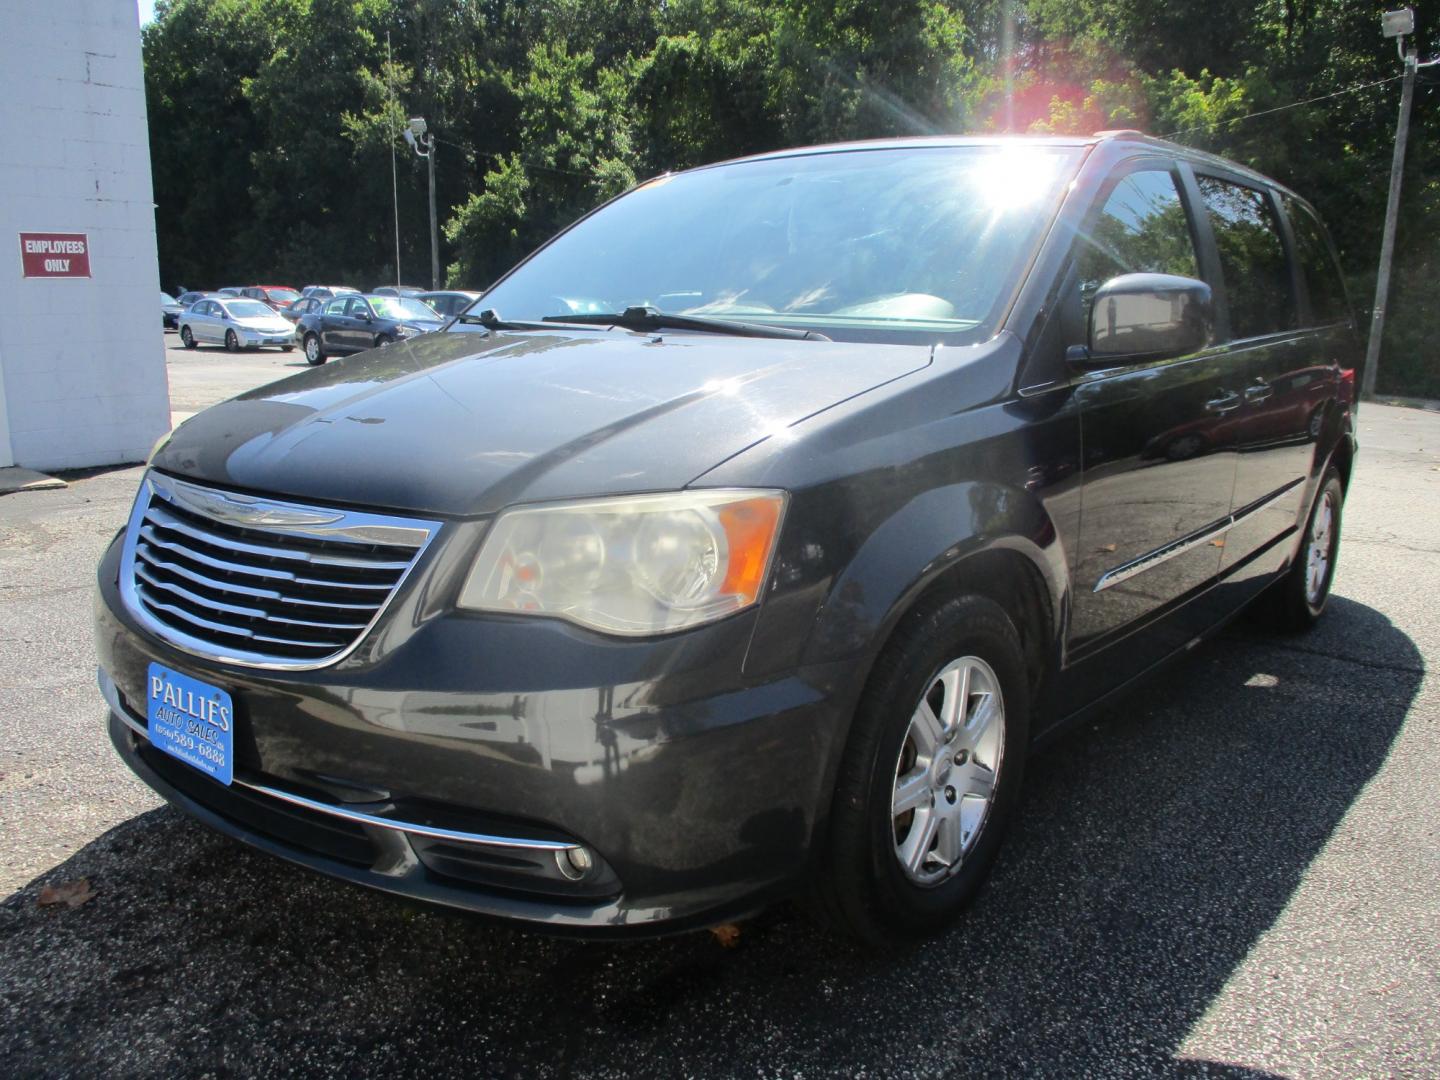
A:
82, 368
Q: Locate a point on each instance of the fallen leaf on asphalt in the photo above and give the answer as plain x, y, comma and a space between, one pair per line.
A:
1106, 547
728, 935
1218, 543
70, 893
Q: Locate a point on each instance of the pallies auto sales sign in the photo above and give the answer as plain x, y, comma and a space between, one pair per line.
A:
55, 254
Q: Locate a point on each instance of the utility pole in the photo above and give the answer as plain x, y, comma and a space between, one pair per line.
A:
434, 227
1397, 24
424, 146
394, 171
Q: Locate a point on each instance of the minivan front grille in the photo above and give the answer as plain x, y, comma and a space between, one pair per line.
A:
257, 581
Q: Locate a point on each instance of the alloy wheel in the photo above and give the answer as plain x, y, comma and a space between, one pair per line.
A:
1319, 551
947, 769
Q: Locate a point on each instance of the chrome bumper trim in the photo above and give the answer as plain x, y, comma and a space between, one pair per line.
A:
345, 813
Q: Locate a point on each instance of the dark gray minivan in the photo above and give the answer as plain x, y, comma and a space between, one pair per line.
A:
745, 539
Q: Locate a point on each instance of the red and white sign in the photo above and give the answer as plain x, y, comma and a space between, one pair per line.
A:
55, 254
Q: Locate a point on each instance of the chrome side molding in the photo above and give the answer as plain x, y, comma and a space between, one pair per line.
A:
1152, 559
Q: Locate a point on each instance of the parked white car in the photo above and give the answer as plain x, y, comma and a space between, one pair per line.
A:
236, 324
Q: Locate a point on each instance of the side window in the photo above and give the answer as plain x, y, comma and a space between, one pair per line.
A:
1252, 258
1141, 228
335, 307
1322, 276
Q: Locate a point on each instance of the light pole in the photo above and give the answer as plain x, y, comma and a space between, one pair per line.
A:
424, 146
1393, 24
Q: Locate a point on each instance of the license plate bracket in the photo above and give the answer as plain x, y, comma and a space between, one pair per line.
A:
191, 720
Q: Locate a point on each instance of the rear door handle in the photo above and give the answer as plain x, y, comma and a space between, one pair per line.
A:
1228, 401
1260, 391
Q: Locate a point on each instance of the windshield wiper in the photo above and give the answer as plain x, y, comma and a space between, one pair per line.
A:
649, 318
491, 320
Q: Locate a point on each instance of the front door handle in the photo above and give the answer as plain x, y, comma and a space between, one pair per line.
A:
1228, 401
1260, 391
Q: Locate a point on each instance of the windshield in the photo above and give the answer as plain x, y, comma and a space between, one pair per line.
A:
247, 309
282, 296
166, 298
920, 239
396, 307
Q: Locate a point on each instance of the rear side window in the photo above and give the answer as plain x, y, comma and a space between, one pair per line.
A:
335, 307
1252, 258
1141, 228
1323, 282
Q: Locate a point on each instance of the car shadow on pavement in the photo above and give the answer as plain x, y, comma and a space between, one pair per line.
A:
1157, 843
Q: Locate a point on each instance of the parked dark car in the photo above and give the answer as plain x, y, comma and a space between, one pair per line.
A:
326, 292
277, 297
185, 299
396, 290
448, 302
170, 310
351, 324
692, 575
305, 305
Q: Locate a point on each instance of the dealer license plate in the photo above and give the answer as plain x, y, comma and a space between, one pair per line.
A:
192, 720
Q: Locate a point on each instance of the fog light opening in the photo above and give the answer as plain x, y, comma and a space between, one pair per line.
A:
574, 863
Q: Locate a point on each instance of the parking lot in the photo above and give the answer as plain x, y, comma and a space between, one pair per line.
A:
1235, 872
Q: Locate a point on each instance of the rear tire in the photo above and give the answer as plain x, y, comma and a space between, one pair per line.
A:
187, 338
232, 343
879, 880
314, 352
1295, 603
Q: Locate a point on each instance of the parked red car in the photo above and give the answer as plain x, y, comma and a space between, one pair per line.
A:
277, 296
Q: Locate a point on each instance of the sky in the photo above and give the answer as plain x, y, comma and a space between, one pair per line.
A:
147, 11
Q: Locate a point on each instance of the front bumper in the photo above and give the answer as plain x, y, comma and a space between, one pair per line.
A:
695, 796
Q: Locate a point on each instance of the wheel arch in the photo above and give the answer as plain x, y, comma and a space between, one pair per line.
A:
1003, 546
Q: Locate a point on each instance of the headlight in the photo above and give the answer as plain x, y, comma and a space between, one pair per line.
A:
640, 564
406, 331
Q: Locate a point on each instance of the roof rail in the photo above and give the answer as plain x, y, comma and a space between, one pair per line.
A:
1115, 132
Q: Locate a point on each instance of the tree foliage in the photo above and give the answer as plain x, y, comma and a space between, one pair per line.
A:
273, 122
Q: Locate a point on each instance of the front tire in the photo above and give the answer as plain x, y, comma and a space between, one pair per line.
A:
232, 343
187, 337
1295, 603
931, 774
314, 353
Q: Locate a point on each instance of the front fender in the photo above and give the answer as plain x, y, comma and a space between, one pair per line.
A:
931, 534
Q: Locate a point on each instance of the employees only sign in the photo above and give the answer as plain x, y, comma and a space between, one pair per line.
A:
49, 254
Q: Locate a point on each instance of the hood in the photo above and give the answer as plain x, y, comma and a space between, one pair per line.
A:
462, 423
272, 321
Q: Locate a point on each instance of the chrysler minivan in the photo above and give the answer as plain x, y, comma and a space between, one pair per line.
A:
745, 539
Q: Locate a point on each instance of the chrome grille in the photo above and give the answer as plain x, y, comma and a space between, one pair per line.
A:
258, 581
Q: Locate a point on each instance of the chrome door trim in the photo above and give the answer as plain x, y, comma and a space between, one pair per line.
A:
1152, 559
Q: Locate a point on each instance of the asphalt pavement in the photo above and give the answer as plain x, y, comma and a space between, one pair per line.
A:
1234, 873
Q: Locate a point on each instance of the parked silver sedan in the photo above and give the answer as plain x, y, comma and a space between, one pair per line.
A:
236, 324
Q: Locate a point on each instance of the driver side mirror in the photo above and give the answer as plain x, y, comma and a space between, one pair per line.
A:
1138, 317
363, 314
